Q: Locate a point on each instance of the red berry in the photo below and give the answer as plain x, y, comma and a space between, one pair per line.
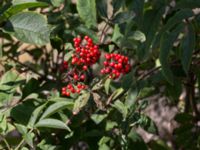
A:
82, 77
85, 67
107, 56
79, 86
75, 77
67, 94
106, 63
103, 71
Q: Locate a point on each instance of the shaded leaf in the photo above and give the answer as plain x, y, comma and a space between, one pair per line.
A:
22, 112
18, 6
35, 115
178, 17
187, 47
52, 123
123, 17
115, 95
29, 27
57, 3
121, 108
107, 85
56, 107
87, 11
138, 36
102, 8
28, 137
183, 118
98, 118
117, 5
137, 7
80, 102
166, 45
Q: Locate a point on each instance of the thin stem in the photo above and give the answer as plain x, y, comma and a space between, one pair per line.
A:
103, 32
148, 73
21, 142
29, 68
7, 144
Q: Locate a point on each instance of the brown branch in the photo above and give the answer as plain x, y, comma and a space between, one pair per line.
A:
26, 66
103, 33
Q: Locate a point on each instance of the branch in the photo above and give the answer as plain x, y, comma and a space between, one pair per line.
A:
26, 66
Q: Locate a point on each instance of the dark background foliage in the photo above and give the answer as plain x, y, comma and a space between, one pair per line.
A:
161, 39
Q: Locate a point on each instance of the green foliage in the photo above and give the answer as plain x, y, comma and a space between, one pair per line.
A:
29, 27
161, 39
87, 11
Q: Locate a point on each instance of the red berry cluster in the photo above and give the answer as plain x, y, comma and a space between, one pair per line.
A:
86, 53
71, 88
115, 65
64, 66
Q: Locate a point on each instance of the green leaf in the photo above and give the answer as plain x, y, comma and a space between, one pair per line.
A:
107, 85
10, 80
21, 129
159, 145
57, 43
80, 102
18, 6
152, 18
115, 95
3, 124
30, 87
104, 140
52, 123
137, 7
136, 142
102, 8
22, 112
56, 107
117, 4
132, 95
187, 4
110, 125
57, 3
87, 11
183, 118
166, 45
117, 35
28, 137
177, 18
121, 108
187, 47
127, 80
138, 36
35, 115
123, 17
98, 118
29, 27
147, 124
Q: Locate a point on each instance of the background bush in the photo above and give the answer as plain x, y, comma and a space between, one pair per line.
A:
161, 39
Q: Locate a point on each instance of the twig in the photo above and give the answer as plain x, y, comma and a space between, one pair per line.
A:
6, 143
103, 33
26, 66
22, 141
148, 73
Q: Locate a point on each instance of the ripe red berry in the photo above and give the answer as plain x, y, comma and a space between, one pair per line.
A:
75, 77
82, 77
85, 67
67, 94
115, 65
